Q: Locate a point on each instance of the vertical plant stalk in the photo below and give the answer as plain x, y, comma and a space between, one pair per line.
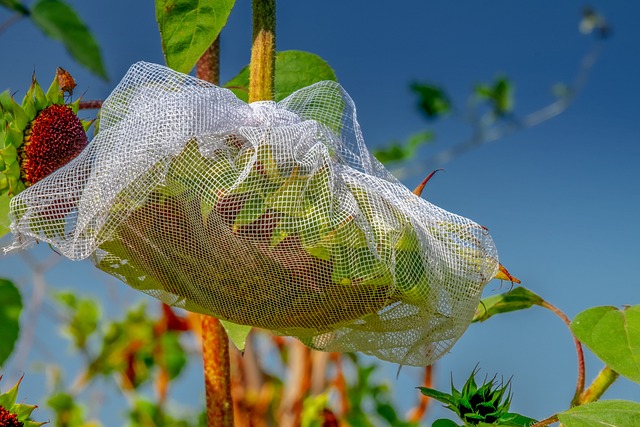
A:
263, 51
215, 343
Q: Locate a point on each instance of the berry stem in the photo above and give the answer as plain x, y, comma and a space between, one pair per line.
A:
215, 343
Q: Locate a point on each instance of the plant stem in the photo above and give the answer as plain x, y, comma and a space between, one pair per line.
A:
552, 419
262, 66
208, 66
215, 343
579, 352
603, 381
215, 355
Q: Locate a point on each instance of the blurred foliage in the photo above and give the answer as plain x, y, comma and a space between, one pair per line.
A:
398, 151
433, 102
59, 21
499, 96
68, 413
10, 310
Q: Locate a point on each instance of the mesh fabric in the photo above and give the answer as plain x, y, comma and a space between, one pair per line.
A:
273, 215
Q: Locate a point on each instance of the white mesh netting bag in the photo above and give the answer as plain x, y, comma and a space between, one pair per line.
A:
267, 214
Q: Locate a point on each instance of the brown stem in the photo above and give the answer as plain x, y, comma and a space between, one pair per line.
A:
579, 351
552, 419
603, 381
263, 51
215, 343
297, 386
215, 354
90, 105
208, 66
420, 411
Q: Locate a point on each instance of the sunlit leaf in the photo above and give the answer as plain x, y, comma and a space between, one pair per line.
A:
605, 413
294, 70
9, 318
517, 299
188, 27
613, 335
59, 21
237, 333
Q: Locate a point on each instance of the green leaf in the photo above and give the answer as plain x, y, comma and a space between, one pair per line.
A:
84, 315
499, 95
609, 413
613, 335
432, 100
188, 27
9, 318
172, 356
5, 201
237, 333
294, 70
59, 21
444, 422
398, 151
513, 419
438, 395
517, 299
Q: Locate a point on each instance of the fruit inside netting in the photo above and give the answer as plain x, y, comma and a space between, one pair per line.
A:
267, 214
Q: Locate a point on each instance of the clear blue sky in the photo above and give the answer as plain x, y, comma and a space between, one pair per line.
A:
561, 200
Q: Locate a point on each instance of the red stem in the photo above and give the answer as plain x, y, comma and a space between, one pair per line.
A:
579, 351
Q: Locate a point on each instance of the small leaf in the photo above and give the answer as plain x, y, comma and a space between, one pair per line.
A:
188, 27
609, 413
613, 335
294, 70
438, 395
432, 100
499, 96
237, 333
399, 151
9, 318
59, 21
517, 299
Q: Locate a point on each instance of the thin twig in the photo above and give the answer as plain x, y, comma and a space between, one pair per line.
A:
90, 105
481, 135
9, 22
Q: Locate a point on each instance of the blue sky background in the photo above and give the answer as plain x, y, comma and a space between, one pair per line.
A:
561, 199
